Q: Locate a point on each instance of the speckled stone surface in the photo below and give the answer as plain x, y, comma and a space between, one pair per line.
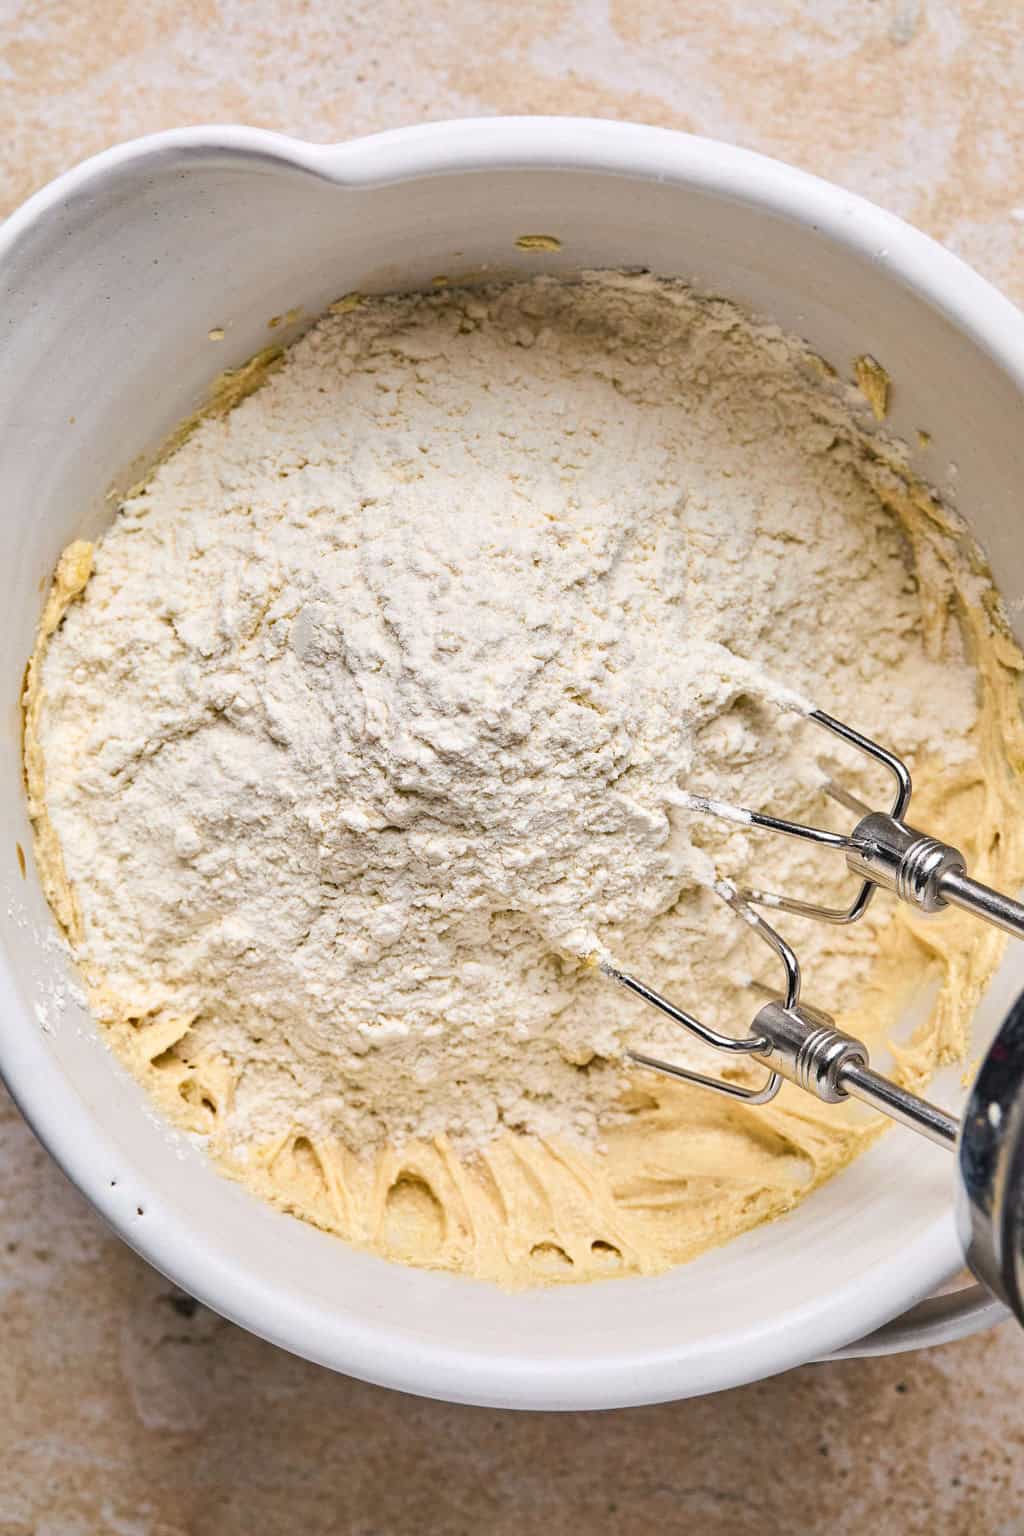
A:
126, 1409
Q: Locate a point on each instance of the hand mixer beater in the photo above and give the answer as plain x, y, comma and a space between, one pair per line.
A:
801, 1043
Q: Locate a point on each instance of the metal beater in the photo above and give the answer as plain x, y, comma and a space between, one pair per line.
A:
882, 849
800, 1043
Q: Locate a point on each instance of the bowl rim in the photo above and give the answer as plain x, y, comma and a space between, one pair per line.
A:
46, 1097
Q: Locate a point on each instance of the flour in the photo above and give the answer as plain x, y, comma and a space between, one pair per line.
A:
397, 698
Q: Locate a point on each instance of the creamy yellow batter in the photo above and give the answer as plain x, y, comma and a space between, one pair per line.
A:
683, 1170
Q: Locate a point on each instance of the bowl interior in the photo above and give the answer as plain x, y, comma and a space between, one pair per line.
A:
112, 283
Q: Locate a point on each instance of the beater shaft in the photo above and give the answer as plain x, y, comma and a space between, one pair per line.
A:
861, 1082
960, 890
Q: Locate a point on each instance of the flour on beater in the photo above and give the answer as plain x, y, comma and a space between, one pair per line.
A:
378, 716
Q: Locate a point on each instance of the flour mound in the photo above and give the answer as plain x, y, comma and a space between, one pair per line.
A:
392, 697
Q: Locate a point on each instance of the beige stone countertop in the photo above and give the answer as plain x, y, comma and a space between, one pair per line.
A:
124, 1407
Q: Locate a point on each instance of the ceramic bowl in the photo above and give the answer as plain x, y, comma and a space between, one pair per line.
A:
113, 281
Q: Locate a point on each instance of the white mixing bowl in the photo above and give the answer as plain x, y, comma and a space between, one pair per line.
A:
112, 280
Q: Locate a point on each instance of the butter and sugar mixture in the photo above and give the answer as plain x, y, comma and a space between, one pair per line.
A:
372, 719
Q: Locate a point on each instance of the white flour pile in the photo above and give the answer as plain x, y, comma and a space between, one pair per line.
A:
372, 721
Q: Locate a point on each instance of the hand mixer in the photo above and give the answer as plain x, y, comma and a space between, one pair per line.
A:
802, 1044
